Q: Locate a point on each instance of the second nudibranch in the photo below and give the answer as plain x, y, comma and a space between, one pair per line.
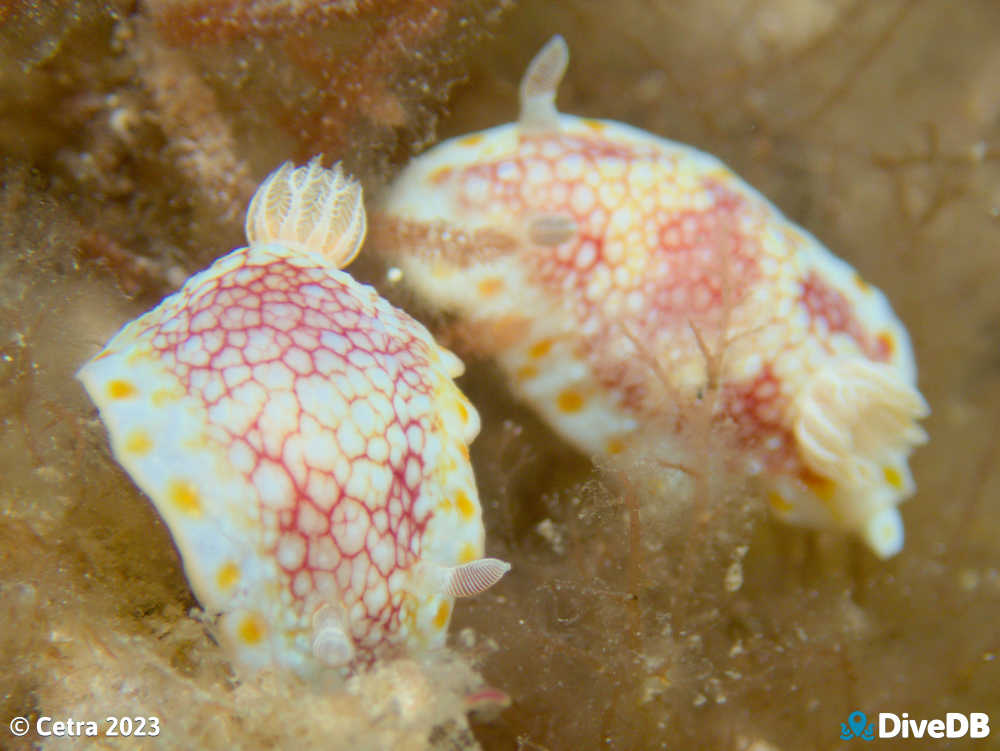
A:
303, 440
623, 280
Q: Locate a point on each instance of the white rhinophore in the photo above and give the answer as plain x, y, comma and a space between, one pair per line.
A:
466, 580
539, 85
331, 644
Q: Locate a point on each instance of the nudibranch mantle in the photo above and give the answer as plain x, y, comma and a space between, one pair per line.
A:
303, 440
617, 276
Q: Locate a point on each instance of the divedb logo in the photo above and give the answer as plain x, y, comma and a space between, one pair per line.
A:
889, 725
954, 725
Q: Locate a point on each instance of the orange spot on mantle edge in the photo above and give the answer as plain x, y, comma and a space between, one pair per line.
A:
118, 389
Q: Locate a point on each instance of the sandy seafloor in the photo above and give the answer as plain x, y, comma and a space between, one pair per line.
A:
131, 135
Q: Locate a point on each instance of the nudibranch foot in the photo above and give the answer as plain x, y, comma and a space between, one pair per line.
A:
610, 249
883, 532
303, 440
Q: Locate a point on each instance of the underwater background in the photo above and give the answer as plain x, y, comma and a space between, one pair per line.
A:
132, 135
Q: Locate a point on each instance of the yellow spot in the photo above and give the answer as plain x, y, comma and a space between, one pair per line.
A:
184, 496
121, 389
474, 140
444, 506
489, 286
778, 502
163, 396
138, 442
570, 401
468, 553
465, 507
893, 477
251, 630
615, 446
441, 617
861, 283
822, 487
440, 174
527, 372
463, 450
540, 348
887, 342
594, 124
463, 412
227, 575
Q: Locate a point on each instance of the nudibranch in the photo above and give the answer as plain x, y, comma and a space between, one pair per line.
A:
619, 277
303, 440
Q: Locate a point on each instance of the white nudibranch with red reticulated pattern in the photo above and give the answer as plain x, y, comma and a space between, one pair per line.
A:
619, 277
303, 440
